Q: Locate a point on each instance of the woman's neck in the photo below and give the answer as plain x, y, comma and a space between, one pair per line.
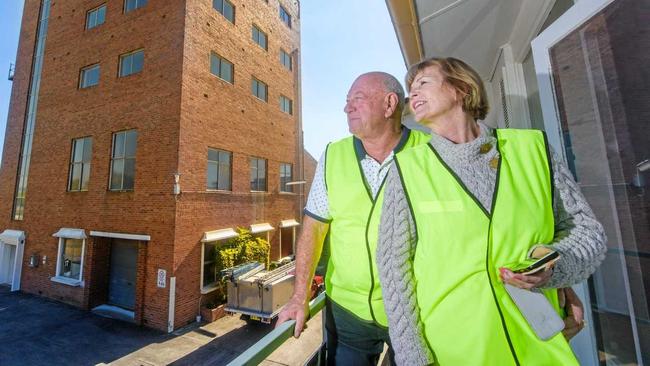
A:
456, 126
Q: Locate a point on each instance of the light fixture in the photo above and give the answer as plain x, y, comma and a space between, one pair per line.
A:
639, 180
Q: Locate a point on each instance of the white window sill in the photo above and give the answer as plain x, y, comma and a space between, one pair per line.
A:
209, 288
67, 281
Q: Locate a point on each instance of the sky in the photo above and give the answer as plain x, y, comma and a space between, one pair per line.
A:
340, 40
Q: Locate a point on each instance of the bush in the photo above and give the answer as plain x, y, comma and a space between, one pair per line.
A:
242, 249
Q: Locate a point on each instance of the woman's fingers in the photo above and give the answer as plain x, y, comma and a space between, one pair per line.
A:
538, 279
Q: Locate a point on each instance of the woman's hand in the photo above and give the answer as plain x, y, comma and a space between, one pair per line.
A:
536, 280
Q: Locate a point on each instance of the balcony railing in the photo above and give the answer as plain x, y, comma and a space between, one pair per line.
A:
12, 69
265, 346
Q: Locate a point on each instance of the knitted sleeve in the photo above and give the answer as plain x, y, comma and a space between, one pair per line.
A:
395, 251
579, 236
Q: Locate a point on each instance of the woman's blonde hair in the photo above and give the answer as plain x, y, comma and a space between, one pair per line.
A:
464, 79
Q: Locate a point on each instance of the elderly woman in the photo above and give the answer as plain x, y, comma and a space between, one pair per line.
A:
460, 209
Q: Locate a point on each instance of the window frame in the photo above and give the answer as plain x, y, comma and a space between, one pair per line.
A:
265, 47
284, 56
58, 277
138, 4
221, 59
123, 158
82, 74
218, 163
285, 16
95, 10
84, 164
284, 99
255, 92
257, 176
222, 11
123, 57
281, 189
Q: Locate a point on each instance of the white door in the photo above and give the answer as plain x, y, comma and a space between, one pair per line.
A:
8, 263
592, 69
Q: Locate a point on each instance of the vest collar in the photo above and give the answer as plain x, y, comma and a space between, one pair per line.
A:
361, 151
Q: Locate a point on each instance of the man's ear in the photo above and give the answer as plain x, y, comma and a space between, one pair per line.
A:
390, 104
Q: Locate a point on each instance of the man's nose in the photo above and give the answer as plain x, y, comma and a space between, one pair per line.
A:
347, 108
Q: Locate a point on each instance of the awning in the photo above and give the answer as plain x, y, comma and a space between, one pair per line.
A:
69, 233
260, 228
106, 234
13, 237
215, 235
289, 223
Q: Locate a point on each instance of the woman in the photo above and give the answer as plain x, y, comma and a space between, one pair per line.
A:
461, 208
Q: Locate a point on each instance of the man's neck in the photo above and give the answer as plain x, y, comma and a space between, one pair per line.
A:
380, 147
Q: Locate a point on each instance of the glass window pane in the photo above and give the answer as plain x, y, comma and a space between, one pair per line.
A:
101, 14
75, 177
131, 143
209, 274
70, 263
214, 65
213, 155
229, 12
138, 62
226, 71
125, 65
262, 91
87, 149
263, 40
218, 5
224, 157
117, 173
85, 176
78, 148
224, 176
118, 145
212, 176
90, 19
254, 87
129, 173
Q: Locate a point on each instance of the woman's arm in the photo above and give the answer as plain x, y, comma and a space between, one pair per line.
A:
395, 251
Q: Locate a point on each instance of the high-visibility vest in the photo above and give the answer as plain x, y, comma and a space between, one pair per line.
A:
352, 279
468, 316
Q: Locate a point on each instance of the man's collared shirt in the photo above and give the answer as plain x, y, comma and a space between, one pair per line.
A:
374, 173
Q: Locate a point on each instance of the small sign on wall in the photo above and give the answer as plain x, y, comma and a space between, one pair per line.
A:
162, 278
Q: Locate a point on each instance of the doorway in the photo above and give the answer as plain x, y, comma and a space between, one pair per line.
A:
123, 273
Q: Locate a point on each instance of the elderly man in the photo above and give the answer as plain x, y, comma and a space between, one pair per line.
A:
344, 202
344, 205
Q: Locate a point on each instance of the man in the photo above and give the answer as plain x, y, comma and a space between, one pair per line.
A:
342, 202
345, 202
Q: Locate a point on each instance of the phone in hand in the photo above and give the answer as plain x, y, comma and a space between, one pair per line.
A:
534, 265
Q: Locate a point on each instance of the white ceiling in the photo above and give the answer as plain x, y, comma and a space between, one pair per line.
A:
472, 30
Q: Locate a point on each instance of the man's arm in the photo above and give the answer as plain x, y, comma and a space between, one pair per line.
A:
308, 248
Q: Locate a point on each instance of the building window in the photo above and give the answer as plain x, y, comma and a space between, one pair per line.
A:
221, 67
219, 170
285, 177
258, 174
80, 164
285, 60
286, 104
131, 63
70, 259
226, 8
123, 160
89, 76
133, 4
96, 17
285, 17
259, 37
259, 89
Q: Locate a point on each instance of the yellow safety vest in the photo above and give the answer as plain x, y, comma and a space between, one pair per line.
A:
468, 316
351, 279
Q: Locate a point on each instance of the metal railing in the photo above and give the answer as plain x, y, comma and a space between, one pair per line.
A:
12, 70
265, 346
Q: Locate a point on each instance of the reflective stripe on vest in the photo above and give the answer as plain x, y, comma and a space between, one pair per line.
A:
351, 279
469, 319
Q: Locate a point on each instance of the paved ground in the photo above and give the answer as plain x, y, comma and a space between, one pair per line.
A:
37, 331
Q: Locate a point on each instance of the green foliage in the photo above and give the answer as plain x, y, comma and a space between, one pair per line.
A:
242, 249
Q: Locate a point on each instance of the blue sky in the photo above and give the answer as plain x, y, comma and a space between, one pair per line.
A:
340, 40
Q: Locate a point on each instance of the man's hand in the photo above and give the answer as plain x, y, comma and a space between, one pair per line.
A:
295, 309
527, 282
574, 322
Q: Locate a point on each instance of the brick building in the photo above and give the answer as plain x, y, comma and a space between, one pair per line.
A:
140, 135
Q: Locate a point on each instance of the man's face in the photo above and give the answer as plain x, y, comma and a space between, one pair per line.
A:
365, 106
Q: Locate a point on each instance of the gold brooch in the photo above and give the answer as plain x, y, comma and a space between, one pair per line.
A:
485, 148
494, 162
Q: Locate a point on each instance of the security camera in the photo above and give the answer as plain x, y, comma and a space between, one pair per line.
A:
639, 180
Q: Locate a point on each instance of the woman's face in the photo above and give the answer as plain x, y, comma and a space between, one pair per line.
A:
431, 96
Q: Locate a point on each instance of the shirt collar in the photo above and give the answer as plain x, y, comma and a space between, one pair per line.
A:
361, 152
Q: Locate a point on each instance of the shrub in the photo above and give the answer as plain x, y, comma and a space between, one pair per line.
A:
242, 249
